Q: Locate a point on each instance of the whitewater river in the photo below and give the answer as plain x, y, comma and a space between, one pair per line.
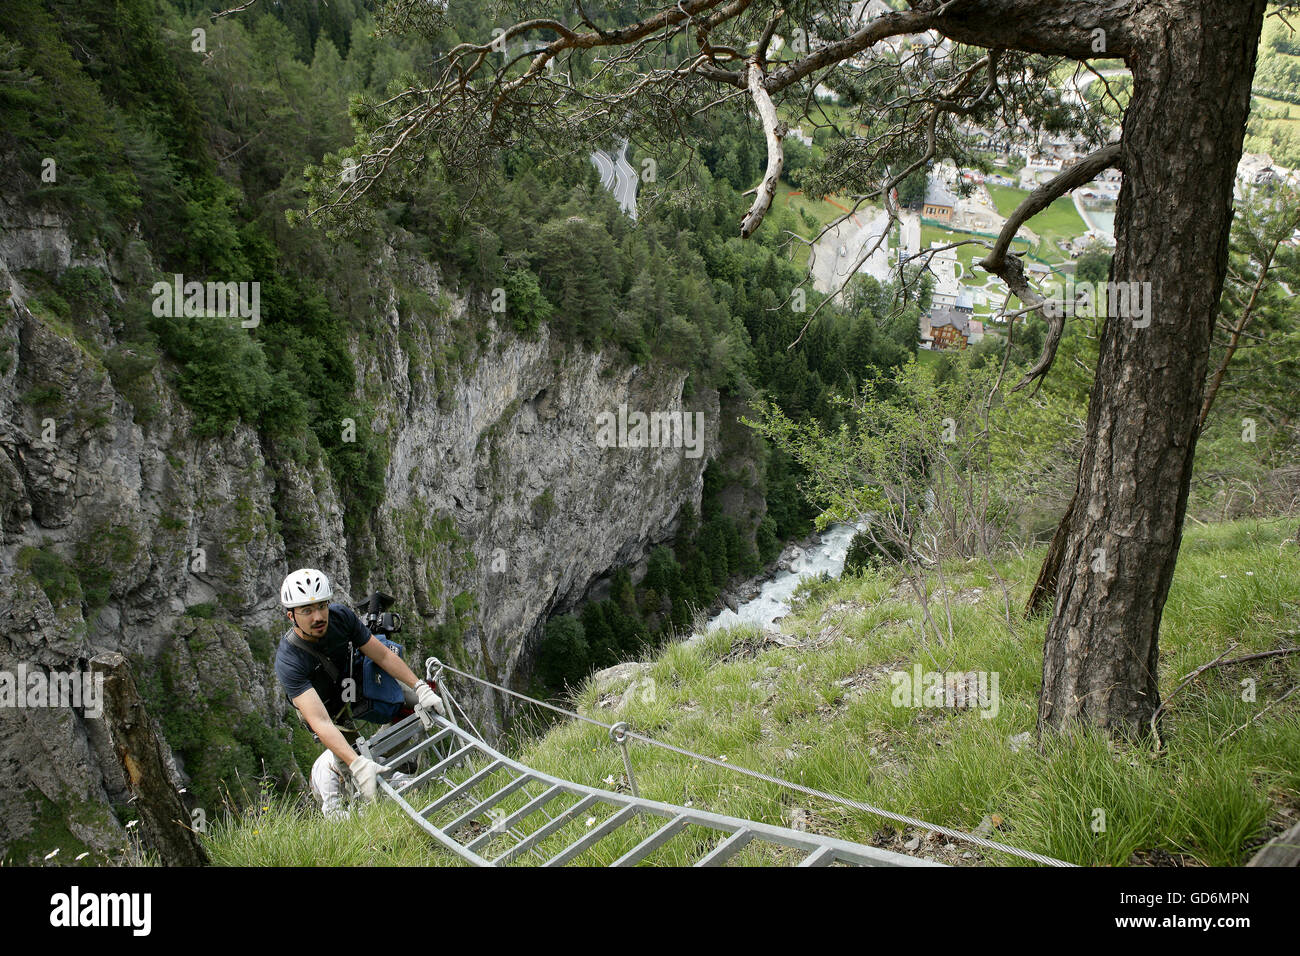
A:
773, 600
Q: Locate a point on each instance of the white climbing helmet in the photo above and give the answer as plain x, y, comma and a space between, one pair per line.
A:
304, 586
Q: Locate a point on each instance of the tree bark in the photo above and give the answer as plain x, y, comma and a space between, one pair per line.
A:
1182, 139
1045, 587
1282, 850
163, 818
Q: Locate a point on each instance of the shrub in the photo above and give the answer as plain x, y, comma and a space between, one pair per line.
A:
57, 580
104, 547
864, 553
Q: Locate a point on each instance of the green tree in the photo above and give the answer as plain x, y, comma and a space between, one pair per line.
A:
602, 642
1093, 264
562, 659
911, 191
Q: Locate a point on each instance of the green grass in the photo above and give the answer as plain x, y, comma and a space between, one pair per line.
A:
928, 356
1006, 198
289, 833
820, 210
967, 255
1060, 220
823, 714
1290, 111
1277, 135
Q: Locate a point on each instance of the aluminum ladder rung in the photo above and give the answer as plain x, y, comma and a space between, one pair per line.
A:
408, 754
528, 809
735, 833
728, 848
392, 736
823, 856
653, 842
489, 803
464, 787
437, 770
592, 836
451, 760
543, 832
433, 831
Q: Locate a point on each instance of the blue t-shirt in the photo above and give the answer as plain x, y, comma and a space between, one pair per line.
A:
299, 671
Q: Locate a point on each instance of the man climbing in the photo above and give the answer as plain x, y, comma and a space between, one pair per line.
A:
315, 665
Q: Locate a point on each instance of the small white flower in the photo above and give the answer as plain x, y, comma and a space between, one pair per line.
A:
590, 821
52, 854
1250, 573
1223, 575
131, 824
610, 780
723, 758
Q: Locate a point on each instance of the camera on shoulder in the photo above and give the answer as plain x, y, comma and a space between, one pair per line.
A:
378, 618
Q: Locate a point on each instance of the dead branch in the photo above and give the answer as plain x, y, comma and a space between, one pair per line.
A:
1281, 652
775, 131
1270, 706
1164, 704
1218, 662
225, 13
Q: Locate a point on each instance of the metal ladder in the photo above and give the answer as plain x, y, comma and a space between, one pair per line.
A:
520, 811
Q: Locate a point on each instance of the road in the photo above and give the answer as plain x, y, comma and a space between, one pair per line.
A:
618, 176
605, 166
1083, 213
1074, 90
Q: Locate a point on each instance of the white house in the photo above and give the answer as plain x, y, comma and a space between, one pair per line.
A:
943, 266
1256, 169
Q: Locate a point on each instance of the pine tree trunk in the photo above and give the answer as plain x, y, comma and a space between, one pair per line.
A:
1045, 587
1182, 140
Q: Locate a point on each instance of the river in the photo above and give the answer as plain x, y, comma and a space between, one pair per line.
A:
773, 600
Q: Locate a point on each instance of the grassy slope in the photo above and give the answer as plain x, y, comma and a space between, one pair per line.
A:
1261, 132
1060, 220
1292, 110
821, 714
823, 211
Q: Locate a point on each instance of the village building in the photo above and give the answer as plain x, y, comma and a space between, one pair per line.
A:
943, 266
946, 328
940, 202
1256, 169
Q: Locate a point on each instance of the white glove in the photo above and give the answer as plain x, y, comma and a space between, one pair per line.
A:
366, 773
426, 697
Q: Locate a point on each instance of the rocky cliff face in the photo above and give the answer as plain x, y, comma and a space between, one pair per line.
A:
500, 508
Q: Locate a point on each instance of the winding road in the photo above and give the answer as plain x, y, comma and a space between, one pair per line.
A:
618, 176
